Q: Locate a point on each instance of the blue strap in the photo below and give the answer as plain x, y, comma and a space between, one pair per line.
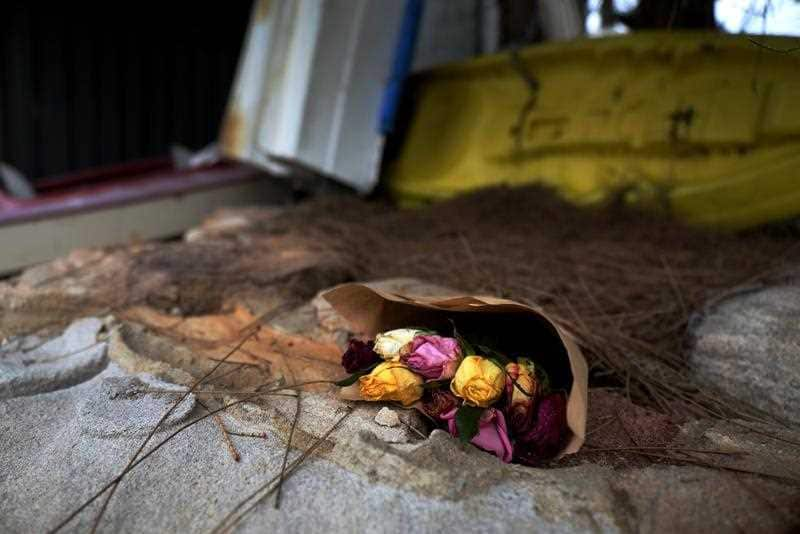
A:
403, 58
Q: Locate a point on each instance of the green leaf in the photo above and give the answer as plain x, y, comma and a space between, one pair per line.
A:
527, 362
350, 380
355, 376
466, 348
467, 421
496, 355
544, 381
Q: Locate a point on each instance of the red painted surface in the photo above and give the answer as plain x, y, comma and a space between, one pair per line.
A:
116, 185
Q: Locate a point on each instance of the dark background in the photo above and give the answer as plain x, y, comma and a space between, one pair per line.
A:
85, 83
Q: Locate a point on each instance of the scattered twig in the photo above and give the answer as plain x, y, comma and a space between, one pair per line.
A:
413, 429
231, 516
163, 442
243, 364
261, 435
625, 429
696, 461
611, 420
212, 392
231, 447
70, 353
225, 435
764, 433
279, 492
791, 50
675, 287
225, 374
254, 326
589, 448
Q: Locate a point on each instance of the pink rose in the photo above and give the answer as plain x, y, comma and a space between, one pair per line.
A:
433, 357
492, 433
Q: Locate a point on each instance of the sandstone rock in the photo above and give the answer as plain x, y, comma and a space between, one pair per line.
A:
387, 417
128, 405
748, 346
58, 448
28, 366
318, 412
197, 277
356, 482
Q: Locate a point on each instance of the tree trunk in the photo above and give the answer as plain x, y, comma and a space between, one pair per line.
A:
670, 14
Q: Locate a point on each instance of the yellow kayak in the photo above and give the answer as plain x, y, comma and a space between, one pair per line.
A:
704, 126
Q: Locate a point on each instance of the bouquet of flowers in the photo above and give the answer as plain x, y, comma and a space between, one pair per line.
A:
464, 379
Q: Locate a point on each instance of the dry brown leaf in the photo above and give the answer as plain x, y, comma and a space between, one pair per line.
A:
293, 357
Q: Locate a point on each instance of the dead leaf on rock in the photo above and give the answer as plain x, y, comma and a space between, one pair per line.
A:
291, 357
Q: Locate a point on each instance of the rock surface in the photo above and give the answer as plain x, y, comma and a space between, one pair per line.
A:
29, 366
357, 482
127, 405
57, 448
387, 417
748, 346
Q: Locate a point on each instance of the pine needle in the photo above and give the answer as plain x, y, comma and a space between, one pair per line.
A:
191, 423
231, 519
164, 417
279, 492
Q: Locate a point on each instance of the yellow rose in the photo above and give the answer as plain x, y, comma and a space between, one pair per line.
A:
521, 383
391, 381
521, 389
390, 345
478, 381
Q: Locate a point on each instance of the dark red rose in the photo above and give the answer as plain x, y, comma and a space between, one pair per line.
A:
359, 355
519, 417
438, 401
546, 436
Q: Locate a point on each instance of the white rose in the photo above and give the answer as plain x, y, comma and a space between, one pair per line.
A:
390, 345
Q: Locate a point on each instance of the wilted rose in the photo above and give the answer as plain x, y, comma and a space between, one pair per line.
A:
545, 438
390, 345
391, 381
359, 355
478, 381
439, 401
492, 433
433, 357
521, 389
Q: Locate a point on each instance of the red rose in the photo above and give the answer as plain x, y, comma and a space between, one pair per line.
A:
359, 355
438, 401
545, 437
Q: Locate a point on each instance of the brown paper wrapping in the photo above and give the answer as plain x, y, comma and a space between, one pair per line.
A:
370, 311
